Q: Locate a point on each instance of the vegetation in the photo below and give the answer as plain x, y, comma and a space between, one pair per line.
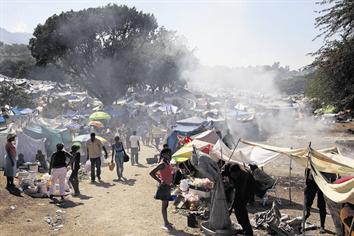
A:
15, 60
109, 49
333, 80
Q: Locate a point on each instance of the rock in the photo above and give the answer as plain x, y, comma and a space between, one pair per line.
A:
28, 220
13, 207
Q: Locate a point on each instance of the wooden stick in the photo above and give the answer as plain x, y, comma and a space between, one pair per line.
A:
238, 141
304, 208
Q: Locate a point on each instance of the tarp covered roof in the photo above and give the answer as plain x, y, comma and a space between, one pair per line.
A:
192, 121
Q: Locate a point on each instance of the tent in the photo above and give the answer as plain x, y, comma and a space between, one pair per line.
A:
326, 160
29, 146
246, 155
192, 121
182, 130
209, 136
185, 152
52, 136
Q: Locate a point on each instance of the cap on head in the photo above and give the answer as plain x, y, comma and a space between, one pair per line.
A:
134, 132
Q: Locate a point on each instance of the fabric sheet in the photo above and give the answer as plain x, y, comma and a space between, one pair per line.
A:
29, 146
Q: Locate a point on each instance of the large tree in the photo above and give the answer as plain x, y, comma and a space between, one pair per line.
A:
106, 50
333, 80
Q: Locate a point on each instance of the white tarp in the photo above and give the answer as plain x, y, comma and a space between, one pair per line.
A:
29, 146
2, 149
245, 155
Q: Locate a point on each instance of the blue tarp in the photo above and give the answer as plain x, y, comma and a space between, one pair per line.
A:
2, 120
182, 130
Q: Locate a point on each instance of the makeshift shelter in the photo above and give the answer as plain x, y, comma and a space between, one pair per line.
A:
185, 153
192, 121
52, 136
100, 115
29, 146
246, 155
208, 136
326, 160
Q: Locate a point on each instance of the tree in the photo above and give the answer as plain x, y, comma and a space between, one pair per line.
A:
333, 80
106, 50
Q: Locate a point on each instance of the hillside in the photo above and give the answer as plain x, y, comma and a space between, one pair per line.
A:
12, 38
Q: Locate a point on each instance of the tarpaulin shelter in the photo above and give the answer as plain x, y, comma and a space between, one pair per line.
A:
209, 136
100, 115
182, 130
96, 124
29, 146
52, 136
185, 153
246, 155
192, 121
326, 160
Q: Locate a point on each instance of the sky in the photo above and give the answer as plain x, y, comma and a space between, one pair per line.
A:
227, 33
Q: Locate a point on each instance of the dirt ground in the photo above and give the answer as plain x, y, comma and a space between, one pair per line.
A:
118, 208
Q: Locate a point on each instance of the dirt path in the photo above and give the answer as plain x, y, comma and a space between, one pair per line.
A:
117, 208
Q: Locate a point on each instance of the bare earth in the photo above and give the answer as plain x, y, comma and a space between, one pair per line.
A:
116, 208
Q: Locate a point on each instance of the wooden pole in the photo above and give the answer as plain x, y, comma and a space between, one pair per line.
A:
290, 183
304, 207
238, 141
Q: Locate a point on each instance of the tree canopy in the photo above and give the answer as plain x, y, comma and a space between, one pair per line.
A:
333, 80
109, 49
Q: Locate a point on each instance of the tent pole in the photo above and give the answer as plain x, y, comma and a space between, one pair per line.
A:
304, 208
290, 183
238, 141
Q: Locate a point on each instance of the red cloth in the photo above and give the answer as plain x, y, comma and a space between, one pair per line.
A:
165, 174
344, 179
11, 149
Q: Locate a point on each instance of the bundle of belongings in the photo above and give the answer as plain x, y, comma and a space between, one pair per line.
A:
276, 223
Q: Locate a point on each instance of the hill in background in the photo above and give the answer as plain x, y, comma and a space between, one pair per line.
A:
14, 38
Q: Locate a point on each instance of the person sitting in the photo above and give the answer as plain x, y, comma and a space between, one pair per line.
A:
42, 161
21, 160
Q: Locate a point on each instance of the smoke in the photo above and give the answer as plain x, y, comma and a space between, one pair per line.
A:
263, 113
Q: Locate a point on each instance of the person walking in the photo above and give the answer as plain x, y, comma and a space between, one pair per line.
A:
118, 153
134, 148
163, 174
94, 152
10, 161
75, 167
58, 170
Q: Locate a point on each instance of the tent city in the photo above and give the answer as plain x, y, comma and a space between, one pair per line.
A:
151, 117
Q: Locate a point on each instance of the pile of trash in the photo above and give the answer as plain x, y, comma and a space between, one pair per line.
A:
57, 221
276, 223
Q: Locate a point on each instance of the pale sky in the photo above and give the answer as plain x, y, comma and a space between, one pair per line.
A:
229, 33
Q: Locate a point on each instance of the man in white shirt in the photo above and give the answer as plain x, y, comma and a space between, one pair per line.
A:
134, 148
